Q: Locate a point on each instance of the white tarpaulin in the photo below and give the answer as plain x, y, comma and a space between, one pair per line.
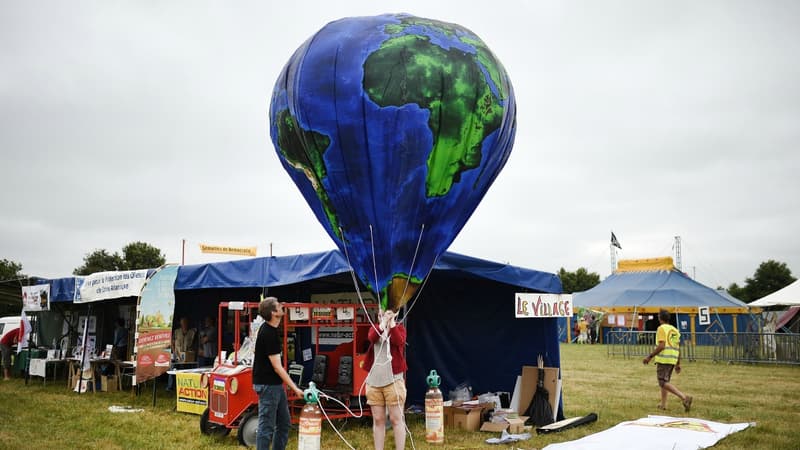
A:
788, 296
659, 432
107, 285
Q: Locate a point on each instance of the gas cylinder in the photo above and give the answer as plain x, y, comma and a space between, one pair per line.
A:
434, 410
310, 436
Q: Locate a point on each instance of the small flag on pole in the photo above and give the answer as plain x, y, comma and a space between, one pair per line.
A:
614, 241
24, 331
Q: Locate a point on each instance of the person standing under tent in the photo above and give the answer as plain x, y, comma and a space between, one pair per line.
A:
268, 378
9, 340
182, 343
667, 355
385, 363
582, 328
593, 329
120, 348
208, 343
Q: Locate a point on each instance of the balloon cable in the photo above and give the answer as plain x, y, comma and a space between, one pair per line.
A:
413, 261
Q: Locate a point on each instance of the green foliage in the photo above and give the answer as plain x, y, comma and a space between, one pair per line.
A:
10, 270
141, 255
769, 277
100, 261
578, 281
136, 255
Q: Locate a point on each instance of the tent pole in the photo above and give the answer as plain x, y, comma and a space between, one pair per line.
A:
154, 392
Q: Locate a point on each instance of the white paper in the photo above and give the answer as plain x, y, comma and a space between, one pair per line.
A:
515, 396
38, 367
298, 313
558, 399
307, 354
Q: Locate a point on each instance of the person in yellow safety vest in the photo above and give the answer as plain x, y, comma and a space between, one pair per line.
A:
668, 357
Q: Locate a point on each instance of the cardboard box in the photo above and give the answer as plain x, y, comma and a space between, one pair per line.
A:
465, 417
514, 425
108, 383
517, 426
449, 413
189, 356
530, 378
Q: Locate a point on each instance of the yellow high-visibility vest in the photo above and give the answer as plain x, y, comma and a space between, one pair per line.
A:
672, 342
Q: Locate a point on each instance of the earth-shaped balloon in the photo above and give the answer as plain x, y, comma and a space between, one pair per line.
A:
393, 127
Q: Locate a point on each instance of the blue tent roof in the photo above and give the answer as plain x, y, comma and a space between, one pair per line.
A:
670, 288
285, 270
63, 289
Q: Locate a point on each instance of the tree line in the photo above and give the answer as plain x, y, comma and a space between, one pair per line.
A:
134, 256
769, 277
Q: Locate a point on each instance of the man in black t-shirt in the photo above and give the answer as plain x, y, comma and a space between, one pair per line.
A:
268, 378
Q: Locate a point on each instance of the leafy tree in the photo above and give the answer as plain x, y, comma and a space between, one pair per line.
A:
769, 277
737, 291
100, 261
141, 255
580, 280
136, 255
10, 270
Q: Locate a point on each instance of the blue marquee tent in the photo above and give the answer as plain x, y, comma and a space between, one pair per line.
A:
463, 324
646, 286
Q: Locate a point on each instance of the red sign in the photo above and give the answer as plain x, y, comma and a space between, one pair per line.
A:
154, 324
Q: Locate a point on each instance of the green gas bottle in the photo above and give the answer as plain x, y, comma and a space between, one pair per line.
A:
434, 410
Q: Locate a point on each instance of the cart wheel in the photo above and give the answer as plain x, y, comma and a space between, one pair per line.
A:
248, 428
214, 429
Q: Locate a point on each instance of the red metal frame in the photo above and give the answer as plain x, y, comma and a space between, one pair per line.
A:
230, 386
227, 408
333, 410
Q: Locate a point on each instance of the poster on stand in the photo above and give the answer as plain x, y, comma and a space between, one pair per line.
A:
36, 298
192, 397
154, 324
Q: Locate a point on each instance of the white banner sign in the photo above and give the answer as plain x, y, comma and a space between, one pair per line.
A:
335, 335
543, 305
703, 315
36, 298
106, 285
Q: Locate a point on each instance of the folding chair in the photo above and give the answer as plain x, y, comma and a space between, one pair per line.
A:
296, 373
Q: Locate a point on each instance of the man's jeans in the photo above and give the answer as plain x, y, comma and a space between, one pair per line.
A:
273, 416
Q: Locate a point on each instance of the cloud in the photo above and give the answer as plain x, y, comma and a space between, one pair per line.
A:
149, 122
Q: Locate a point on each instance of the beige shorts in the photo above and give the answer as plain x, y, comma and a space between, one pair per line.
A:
392, 394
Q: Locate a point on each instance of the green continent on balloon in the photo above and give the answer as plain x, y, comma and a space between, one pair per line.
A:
451, 85
303, 150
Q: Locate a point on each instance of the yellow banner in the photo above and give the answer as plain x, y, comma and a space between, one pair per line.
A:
192, 398
241, 251
645, 265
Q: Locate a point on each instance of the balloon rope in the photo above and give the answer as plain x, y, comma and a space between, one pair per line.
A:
419, 292
355, 283
331, 423
413, 261
375, 268
385, 344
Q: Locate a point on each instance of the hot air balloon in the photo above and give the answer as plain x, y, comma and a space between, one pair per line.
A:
393, 127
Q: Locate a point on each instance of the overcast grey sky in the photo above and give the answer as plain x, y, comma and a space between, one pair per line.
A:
123, 121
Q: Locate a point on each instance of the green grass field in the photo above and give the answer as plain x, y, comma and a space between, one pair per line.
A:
616, 389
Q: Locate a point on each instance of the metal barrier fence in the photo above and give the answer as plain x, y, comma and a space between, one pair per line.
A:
772, 348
